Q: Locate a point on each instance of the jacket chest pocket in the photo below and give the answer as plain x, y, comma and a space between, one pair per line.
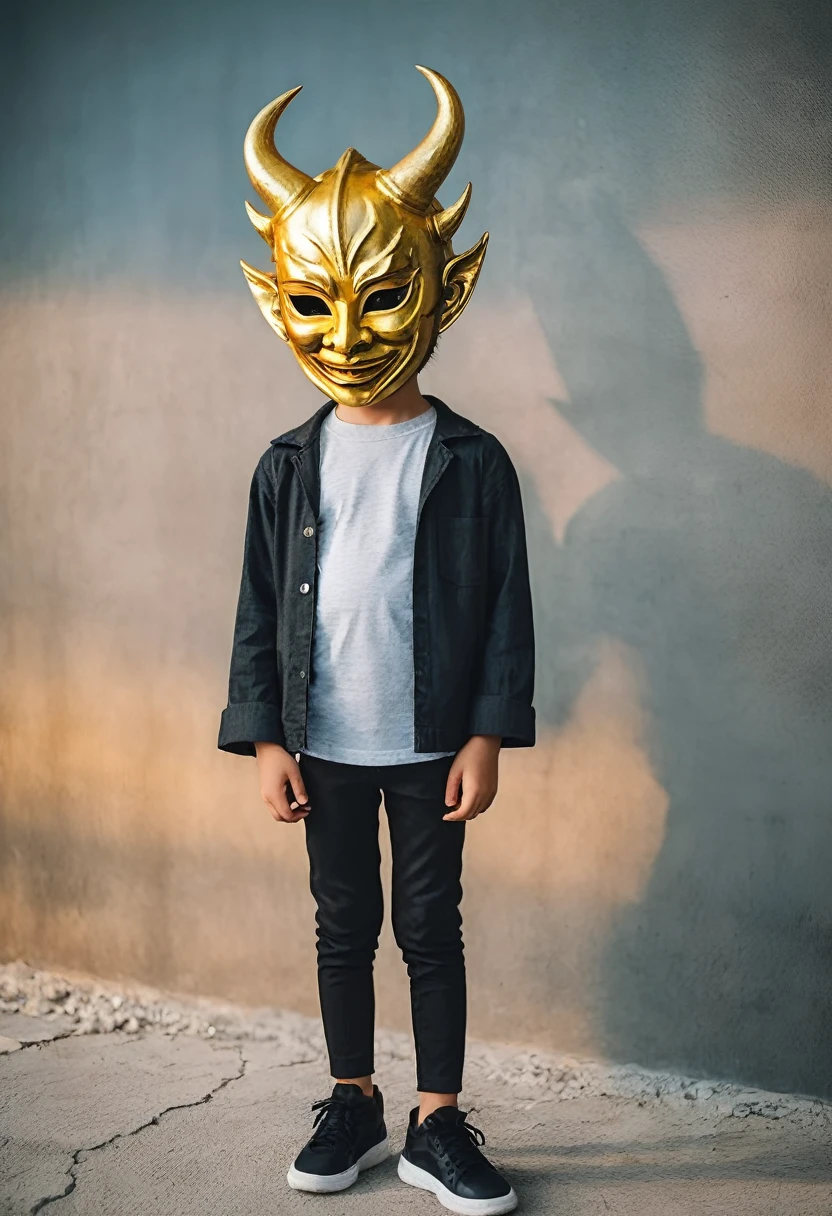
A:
463, 549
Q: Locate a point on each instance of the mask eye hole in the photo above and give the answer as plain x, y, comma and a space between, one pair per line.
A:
386, 299
310, 306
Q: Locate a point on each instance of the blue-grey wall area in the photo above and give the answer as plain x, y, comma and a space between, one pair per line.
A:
657, 180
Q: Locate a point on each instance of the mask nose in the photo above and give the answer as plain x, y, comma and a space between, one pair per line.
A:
348, 336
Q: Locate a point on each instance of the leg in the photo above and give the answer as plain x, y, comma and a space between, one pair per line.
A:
427, 864
344, 867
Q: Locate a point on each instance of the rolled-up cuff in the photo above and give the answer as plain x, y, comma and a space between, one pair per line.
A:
513, 720
241, 726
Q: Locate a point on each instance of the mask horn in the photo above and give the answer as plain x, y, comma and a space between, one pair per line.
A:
276, 181
263, 223
445, 223
417, 177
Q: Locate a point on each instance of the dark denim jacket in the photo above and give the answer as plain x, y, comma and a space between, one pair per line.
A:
473, 638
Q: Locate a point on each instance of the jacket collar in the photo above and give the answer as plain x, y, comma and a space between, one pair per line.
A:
449, 425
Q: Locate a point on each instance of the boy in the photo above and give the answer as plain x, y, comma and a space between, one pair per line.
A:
383, 641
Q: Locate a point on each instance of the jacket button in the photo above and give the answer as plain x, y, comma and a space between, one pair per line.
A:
308, 531
304, 587
302, 675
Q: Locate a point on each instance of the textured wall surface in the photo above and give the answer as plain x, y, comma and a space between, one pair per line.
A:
650, 339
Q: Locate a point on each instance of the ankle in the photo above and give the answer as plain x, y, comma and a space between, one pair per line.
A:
365, 1084
429, 1102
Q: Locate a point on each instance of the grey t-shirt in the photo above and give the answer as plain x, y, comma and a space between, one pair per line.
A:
360, 707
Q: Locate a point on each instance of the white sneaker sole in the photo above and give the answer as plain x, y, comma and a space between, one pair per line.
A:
326, 1184
414, 1176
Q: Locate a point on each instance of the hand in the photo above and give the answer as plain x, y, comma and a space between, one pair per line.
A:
279, 769
472, 781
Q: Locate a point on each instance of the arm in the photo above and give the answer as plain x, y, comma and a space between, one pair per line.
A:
251, 723
502, 704
501, 711
253, 711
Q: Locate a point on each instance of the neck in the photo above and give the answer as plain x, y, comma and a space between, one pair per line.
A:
407, 402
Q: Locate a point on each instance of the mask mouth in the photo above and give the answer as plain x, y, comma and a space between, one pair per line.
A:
362, 371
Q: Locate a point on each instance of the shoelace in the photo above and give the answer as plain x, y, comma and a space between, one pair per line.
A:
332, 1122
460, 1142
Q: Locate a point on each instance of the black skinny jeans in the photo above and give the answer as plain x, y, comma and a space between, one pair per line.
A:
344, 858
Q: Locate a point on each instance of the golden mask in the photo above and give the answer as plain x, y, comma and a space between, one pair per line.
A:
365, 275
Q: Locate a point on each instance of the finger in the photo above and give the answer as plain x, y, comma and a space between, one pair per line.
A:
278, 810
291, 800
466, 809
282, 812
297, 786
452, 787
292, 816
273, 811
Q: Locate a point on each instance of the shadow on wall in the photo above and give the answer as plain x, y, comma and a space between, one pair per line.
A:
710, 562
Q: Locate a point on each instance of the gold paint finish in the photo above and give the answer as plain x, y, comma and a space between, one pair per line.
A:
365, 274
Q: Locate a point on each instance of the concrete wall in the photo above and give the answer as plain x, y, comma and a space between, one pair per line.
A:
650, 339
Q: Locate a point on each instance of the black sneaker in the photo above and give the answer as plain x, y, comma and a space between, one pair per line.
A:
443, 1155
349, 1137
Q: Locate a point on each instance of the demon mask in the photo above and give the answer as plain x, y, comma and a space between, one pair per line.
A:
365, 276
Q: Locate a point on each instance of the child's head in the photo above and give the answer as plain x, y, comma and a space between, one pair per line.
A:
365, 276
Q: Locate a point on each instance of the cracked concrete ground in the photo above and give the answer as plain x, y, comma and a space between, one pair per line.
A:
193, 1107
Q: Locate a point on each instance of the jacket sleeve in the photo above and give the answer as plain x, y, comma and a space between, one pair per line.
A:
253, 711
502, 704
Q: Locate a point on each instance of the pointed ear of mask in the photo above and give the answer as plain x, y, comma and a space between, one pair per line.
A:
459, 280
264, 289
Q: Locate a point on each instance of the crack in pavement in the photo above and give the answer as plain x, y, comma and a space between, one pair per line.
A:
25, 1044
81, 1154
288, 1064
